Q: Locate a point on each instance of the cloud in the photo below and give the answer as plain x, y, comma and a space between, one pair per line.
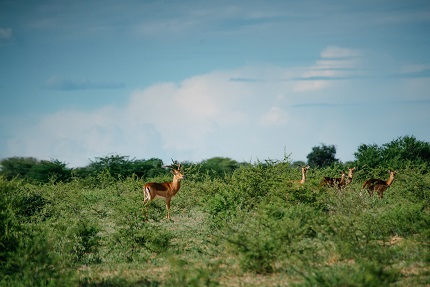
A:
212, 115
417, 68
5, 33
339, 53
58, 83
413, 71
275, 116
335, 63
199, 117
248, 80
186, 114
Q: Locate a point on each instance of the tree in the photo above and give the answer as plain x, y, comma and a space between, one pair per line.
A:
17, 166
34, 170
395, 153
47, 170
322, 156
119, 165
369, 155
220, 166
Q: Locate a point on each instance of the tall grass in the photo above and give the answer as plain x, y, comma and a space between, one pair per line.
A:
251, 228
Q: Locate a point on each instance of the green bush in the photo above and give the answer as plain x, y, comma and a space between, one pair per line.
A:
186, 274
87, 242
27, 257
274, 234
252, 227
354, 275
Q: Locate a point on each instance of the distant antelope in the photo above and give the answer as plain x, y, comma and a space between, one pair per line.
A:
337, 182
304, 170
351, 171
379, 185
164, 190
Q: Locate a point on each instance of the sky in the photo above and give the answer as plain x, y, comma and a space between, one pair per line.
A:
192, 80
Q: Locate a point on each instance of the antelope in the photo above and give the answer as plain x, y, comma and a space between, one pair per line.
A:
350, 175
304, 170
338, 182
164, 190
379, 185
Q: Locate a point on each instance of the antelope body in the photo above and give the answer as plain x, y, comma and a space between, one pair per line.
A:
379, 185
166, 190
338, 182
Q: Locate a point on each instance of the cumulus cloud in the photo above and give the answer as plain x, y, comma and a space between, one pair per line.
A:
198, 117
206, 115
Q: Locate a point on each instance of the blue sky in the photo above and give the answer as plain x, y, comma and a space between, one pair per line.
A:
191, 80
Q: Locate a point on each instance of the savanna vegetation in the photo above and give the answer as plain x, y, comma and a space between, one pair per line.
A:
232, 224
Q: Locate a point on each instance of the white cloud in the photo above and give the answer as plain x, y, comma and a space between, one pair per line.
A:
339, 52
336, 63
306, 86
203, 116
275, 116
196, 118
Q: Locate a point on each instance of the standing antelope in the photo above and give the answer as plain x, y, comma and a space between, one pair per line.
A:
379, 185
304, 170
164, 190
338, 182
350, 175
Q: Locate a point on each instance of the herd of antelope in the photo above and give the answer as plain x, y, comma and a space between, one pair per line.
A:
167, 190
372, 185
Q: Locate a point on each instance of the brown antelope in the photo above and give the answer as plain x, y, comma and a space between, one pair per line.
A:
338, 182
304, 170
164, 190
379, 185
351, 171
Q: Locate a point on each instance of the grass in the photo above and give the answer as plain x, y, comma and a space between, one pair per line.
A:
253, 228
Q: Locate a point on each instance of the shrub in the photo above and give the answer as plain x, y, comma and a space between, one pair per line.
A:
355, 274
27, 257
87, 242
186, 274
271, 235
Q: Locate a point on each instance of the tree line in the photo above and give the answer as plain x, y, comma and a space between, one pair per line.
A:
396, 154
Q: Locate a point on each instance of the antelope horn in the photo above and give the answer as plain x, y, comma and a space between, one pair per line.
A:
176, 163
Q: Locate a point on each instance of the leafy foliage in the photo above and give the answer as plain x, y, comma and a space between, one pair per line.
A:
122, 166
34, 170
322, 156
251, 226
396, 154
27, 257
219, 166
